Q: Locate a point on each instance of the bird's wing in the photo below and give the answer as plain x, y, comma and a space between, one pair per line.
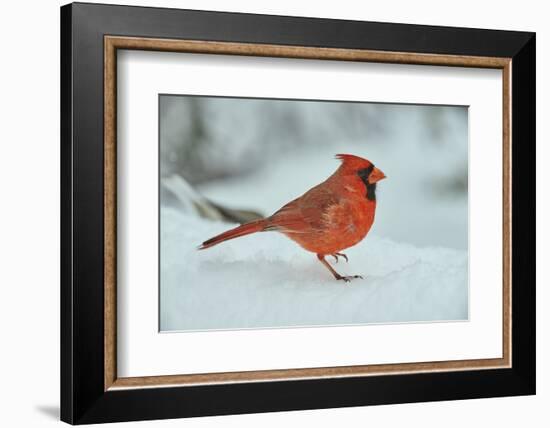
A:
311, 212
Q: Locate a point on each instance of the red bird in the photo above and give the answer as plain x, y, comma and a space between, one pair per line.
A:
330, 217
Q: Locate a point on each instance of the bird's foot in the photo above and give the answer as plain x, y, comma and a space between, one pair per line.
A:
337, 255
348, 278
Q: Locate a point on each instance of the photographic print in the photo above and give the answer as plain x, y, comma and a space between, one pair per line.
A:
302, 199
300, 213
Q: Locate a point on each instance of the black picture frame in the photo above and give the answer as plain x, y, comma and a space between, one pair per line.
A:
83, 398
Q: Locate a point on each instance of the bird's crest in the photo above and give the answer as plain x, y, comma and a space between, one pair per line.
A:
353, 162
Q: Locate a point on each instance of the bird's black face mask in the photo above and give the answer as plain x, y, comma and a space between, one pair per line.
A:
371, 187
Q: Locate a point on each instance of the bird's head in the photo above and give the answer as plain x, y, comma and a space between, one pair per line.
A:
362, 168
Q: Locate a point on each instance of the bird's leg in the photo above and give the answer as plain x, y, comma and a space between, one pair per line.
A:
321, 258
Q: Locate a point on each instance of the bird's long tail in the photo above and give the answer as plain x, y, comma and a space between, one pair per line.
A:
244, 229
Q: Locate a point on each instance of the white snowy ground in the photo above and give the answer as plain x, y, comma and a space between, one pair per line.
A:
265, 280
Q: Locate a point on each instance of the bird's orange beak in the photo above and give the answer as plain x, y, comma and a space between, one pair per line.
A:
376, 175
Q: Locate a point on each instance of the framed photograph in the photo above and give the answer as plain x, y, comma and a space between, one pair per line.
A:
265, 213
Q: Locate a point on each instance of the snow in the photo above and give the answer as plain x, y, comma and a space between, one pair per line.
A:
265, 280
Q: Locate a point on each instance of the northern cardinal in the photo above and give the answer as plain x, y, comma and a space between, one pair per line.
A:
328, 218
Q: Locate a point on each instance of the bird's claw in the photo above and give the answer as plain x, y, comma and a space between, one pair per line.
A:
337, 255
343, 255
350, 277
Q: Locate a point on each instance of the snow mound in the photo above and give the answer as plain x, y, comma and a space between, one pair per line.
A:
265, 280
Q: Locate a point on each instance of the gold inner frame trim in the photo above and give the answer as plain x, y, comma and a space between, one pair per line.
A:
113, 43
